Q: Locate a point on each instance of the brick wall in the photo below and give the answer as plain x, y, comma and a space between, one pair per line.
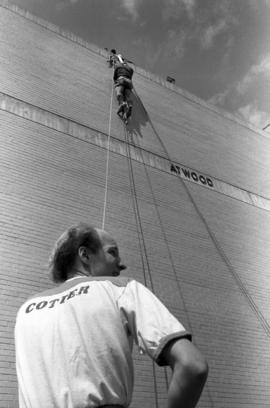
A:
207, 251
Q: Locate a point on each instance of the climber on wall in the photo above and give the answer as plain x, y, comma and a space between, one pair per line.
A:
123, 86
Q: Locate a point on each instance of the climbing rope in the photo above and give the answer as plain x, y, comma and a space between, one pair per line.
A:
165, 239
142, 244
136, 214
107, 163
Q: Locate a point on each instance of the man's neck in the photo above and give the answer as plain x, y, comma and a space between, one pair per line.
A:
78, 272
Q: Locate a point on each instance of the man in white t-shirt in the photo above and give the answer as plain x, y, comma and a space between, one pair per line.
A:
74, 342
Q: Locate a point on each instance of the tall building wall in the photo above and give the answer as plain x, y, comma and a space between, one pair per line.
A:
188, 201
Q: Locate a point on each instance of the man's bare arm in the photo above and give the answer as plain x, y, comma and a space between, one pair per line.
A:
189, 373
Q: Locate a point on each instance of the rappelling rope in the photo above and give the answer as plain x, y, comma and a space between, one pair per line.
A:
142, 245
107, 162
168, 249
164, 233
137, 212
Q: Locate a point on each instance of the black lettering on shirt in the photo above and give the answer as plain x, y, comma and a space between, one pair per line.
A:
42, 304
30, 308
72, 293
63, 298
83, 289
52, 303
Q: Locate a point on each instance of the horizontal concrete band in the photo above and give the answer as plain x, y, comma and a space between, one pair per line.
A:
94, 136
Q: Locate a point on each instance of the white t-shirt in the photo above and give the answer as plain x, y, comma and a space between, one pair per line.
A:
74, 342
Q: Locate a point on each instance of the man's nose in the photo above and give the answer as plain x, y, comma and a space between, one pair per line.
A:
122, 267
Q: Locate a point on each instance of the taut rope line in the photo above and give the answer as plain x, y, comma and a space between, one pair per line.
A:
142, 244
107, 163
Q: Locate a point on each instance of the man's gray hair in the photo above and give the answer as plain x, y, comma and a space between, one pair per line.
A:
66, 249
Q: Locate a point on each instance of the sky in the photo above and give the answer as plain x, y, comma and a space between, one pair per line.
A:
219, 50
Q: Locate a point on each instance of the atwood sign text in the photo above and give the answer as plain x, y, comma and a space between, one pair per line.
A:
191, 175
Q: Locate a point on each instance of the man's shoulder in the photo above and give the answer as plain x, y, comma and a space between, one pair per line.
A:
120, 281
70, 283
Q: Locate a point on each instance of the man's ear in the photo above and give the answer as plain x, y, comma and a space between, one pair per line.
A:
84, 255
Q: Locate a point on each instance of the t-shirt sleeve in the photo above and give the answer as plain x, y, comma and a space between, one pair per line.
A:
149, 321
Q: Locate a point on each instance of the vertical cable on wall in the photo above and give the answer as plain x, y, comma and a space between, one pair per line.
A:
142, 244
107, 164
